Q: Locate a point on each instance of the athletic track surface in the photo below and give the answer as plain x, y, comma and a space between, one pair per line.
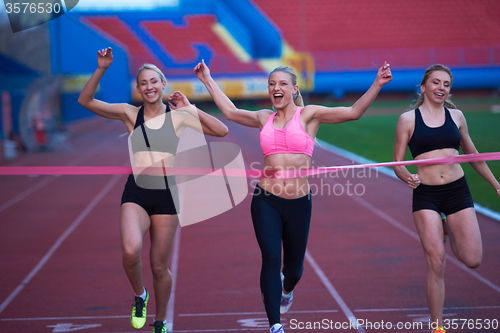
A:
61, 256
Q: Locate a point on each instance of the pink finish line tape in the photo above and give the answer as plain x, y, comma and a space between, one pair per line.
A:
431, 161
253, 173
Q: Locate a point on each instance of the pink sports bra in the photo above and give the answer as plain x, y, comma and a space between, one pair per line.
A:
292, 139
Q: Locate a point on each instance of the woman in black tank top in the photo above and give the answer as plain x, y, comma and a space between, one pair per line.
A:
435, 128
151, 207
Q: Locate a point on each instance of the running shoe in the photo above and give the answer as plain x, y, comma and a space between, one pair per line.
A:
439, 330
159, 327
286, 301
138, 317
277, 328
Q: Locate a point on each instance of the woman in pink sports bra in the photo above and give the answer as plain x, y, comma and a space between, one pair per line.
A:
281, 208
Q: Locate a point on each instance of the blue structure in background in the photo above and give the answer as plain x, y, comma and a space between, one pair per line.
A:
264, 40
340, 83
14, 78
74, 52
74, 45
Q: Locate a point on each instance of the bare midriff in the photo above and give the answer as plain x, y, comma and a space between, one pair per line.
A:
146, 159
439, 174
286, 188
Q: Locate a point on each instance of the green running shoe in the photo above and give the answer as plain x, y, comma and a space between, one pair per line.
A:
159, 327
138, 318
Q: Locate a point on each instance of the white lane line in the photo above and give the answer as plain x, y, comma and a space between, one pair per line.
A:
47, 180
251, 313
333, 292
427, 309
173, 270
218, 330
413, 234
61, 239
68, 318
27, 192
195, 331
248, 313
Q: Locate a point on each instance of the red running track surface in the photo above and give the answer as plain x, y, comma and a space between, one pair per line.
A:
61, 255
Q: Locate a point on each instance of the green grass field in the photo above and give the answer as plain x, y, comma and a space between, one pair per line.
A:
373, 136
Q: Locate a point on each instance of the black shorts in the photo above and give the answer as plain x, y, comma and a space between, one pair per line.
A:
448, 198
154, 201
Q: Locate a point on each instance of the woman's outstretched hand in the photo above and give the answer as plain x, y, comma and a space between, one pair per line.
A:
104, 58
202, 71
384, 74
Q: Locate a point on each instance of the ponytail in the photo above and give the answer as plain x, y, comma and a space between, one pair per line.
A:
297, 99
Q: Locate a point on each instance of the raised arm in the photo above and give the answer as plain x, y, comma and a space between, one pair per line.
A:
86, 98
335, 115
230, 111
403, 133
468, 148
209, 124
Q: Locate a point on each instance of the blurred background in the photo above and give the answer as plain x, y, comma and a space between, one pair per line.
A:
335, 47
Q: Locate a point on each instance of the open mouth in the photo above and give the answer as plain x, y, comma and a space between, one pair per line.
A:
278, 97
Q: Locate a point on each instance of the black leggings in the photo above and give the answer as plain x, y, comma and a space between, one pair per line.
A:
275, 220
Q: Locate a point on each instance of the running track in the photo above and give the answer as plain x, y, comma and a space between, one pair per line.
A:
61, 256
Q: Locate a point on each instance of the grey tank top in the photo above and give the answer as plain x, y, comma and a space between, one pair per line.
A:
162, 139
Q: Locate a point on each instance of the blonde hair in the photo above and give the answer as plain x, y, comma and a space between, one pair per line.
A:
438, 67
153, 68
297, 97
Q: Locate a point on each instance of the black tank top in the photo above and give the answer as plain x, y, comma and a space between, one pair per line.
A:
427, 138
162, 139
